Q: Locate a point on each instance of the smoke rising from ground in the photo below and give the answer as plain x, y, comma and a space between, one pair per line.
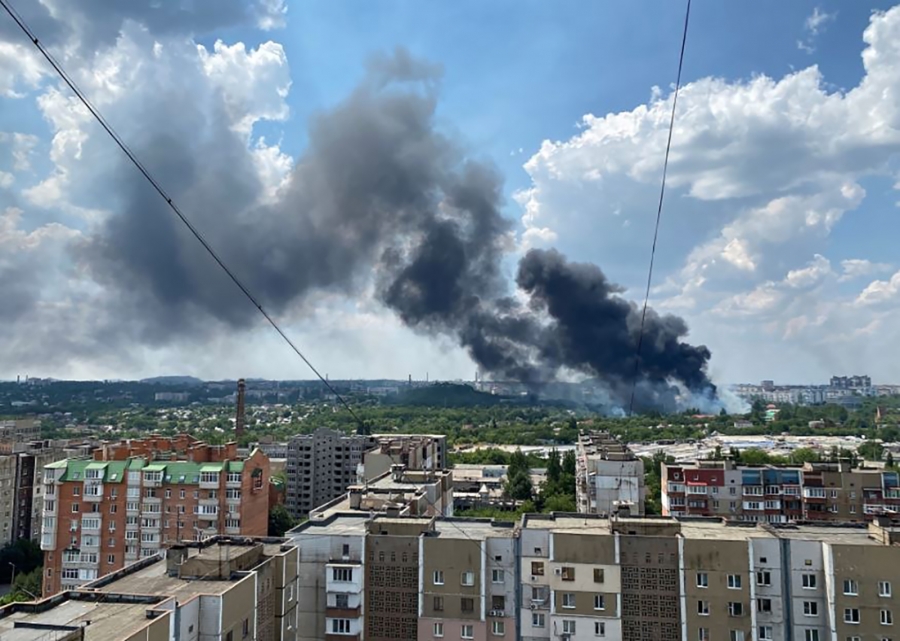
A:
380, 195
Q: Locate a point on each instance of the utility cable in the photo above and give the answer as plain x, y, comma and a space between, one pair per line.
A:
169, 201
662, 193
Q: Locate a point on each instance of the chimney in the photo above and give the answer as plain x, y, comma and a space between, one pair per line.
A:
175, 556
239, 419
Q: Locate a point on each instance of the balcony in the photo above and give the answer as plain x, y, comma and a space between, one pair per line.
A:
333, 612
153, 479
209, 502
48, 540
93, 491
88, 544
235, 531
87, 529
232, 482
208, 515
752, 490
209, 482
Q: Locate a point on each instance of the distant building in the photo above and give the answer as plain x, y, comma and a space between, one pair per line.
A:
608, 476
20, 429
776, 494
850, 382
222, 588
135, 497
175, 397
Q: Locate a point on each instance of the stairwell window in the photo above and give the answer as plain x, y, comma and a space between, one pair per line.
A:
497, 576
851, 615
438, 577
765, 632
703, 608
887, 617
810, 609
438, 629
467, 578
599, 628
599, 602
736, 635
702, 580
884, 588
568, 600
467, 631
498, 628
703, 634
851, 587
568, 626
735, 609
764, 577
810, 634
734, 581
808, 581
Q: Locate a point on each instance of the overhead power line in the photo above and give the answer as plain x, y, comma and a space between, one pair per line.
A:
662, 193
168, 199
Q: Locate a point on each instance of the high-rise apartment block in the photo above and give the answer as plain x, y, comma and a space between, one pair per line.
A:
322, 465
20, 429
378, 577
778, 494
221, 588
609, 477
133, 498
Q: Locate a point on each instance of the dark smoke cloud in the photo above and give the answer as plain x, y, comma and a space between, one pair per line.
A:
380, 195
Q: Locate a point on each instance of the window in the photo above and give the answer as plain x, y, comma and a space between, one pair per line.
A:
467, 578
438, 629
703, 633
599, 575
498, 602
438, 577
568, 573
568, 600
438, 604
811, 634
498, 628
599, 602
340, 626
599, 628
245, 628
538, 620
342, 601
884, 588
735, 609
764, 605
209, 477
887, 618
851, 615
734, 581
764, 577
168, 493
111, 558
76, 491
180, 493
853, 639
703, 608
737, 635
345, 549
537, 568
702, 580
342, 574
113, 508
568, 626
467, 604
75, 508
765, 632
810, 609
467, 631
851, 587
497, 576
808, 581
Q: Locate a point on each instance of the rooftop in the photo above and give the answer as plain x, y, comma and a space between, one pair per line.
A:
101, 621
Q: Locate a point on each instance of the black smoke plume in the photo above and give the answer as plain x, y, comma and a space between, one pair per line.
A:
380, 193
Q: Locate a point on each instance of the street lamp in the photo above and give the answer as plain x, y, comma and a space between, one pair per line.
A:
12, 579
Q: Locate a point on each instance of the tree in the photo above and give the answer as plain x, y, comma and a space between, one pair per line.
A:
24, 554
519, 486
554, 468
26, 587
568, 463
804, 455
889, 460
871, 451
280, 521
560, 503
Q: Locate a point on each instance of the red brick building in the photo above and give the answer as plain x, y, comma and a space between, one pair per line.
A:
135, 497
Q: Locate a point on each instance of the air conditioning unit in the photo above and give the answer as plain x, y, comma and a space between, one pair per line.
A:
534, 606
565, 636
557, 571
533, 578
496, 613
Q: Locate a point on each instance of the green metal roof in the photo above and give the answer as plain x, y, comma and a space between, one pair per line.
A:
96, 465
115, 471
235, 466
212, 467
180, 472
155, 467
136, 463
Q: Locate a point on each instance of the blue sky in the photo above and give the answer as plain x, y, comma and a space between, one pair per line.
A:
777, 240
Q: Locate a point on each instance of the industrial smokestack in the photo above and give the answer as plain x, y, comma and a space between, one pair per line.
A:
239, 418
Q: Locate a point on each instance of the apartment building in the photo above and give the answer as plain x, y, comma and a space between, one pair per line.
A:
134, 498
221, 588
776, 494
608, 476
320, 467
20, 493
382, 578
20, 429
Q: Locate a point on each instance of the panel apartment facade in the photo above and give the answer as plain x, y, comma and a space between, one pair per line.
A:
812, 492
608, 476
133, 499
